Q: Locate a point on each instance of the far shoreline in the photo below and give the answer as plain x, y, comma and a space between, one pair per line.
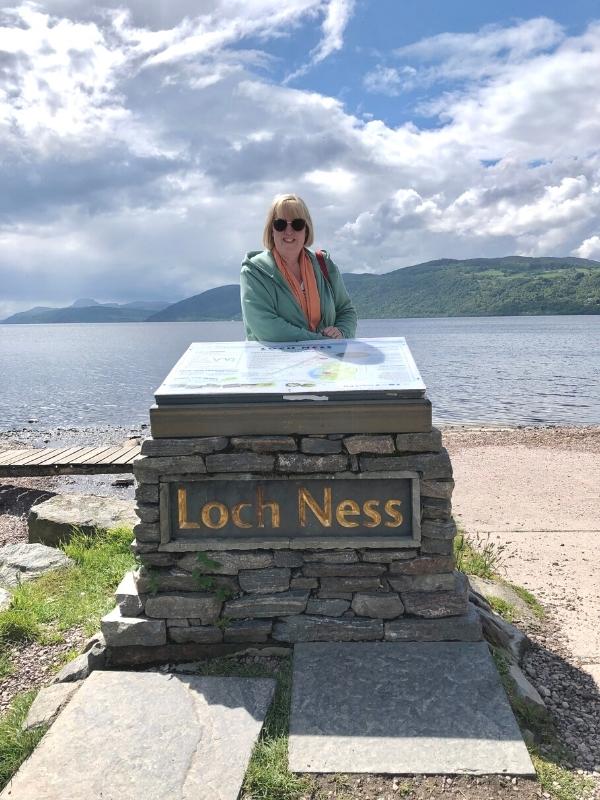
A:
109, 434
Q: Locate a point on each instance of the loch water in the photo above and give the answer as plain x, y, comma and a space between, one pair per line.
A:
503, 370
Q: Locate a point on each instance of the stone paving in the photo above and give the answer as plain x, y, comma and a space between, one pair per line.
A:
402, 708
148, 736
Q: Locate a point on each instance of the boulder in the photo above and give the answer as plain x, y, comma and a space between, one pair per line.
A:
48, 702
501, 633
438, 603
248, 630
226, 563
463, 628
92, 657
314, 446
53, 520
305, 628
327, 608
123, 631
524, 689
265, 581
203, 634
326, 570
200, 605
127, 596
267, 605
331, 556
491, 588
5, 599
24, 562
385, 605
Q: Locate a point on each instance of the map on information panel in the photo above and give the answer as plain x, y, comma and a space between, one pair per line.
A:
313, 370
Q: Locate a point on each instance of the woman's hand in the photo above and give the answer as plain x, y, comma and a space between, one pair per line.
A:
332, 332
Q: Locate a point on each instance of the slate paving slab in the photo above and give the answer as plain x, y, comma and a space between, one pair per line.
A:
148, 736
402, 708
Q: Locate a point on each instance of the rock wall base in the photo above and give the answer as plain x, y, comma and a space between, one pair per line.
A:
199, 602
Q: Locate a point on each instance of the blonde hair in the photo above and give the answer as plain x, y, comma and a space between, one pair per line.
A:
293, 206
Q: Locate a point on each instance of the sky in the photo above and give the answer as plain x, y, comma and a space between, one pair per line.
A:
141, 142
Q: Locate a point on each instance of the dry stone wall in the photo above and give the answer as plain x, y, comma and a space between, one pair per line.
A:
222, 599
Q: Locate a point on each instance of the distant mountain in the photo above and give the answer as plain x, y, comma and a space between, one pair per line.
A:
222, 303
508, 286
84, 302
444, 288
447, 287
148, 305
87, 310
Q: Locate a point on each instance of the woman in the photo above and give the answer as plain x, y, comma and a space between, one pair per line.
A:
286, 295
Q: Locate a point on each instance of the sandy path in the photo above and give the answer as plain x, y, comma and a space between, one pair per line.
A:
537, 492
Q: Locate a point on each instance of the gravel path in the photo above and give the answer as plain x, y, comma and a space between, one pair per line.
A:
534, 491
17, 495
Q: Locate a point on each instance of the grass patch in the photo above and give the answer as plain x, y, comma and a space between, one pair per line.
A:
506, 610
15, 744
551, 766
560, 782
228, 666
7, 668
76, 596
64, 658
533, 603
18, 625
267, 776
479, 556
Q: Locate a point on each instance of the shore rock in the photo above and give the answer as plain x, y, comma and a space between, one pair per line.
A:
48, 702
5, 599
489, 588
24, 562
53, 520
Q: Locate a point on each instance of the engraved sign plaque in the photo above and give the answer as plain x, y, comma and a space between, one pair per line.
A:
301, 510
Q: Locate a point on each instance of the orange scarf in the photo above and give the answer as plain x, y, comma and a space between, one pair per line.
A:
308, 300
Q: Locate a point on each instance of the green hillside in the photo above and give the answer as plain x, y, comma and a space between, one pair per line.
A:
480, 287
509, 286
222, 303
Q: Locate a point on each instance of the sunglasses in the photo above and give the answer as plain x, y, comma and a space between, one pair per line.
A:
281, 224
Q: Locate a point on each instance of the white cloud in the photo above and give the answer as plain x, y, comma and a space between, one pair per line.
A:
141, 150
389, 80
333, 180
336, 18
510, 43
589, 248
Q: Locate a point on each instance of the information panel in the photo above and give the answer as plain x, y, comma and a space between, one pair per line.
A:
238, 371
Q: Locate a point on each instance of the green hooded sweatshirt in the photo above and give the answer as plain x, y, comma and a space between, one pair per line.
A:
271, 312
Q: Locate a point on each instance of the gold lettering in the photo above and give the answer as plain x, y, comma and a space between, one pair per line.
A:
262, 505
322, 514
369, 509
235, 515
223, 515
184, 522
396, 516
345, 509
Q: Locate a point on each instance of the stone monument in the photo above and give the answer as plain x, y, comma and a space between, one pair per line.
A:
290, 492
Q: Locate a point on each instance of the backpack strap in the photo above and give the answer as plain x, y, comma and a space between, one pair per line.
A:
321, 259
